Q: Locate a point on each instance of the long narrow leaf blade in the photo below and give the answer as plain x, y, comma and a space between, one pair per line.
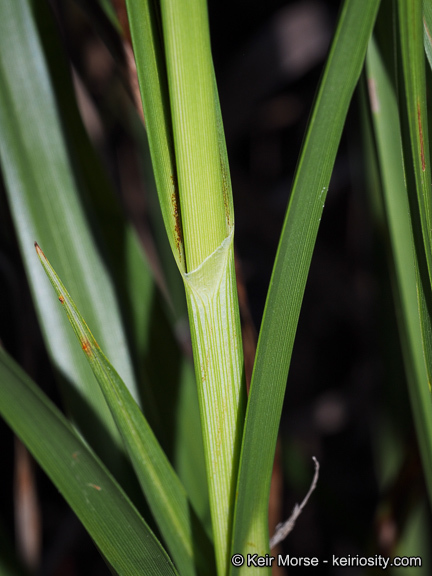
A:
290, 273
104, 509
416, 156
163, 386
414, 109
385, 116
164, 491
145, 32
45, 203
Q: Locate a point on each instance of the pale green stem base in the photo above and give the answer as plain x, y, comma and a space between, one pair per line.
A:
215, 326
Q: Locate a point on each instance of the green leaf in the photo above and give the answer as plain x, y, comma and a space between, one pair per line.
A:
112, 521
173, 280
191, 89
163, 386
199, 219
60, 195
290, 273
385, 117
208, 223
164, 491
415, 138
148, 50
44, 200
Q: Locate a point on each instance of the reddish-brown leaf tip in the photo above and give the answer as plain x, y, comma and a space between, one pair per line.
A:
38, 249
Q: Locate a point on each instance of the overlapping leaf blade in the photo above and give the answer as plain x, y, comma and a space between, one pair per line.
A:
164, 491
146, 36
45, 205
385, 116
186, 143
164, 387
118, 530
60, 213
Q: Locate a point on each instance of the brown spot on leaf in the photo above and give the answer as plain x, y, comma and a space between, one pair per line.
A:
95, 486
61, 298
422, 154
176, 212
86, 346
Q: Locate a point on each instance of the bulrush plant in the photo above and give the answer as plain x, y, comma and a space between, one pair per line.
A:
213, 455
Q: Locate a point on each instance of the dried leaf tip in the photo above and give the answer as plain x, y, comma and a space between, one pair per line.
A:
38, 249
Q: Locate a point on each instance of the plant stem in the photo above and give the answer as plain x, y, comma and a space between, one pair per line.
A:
207, 223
